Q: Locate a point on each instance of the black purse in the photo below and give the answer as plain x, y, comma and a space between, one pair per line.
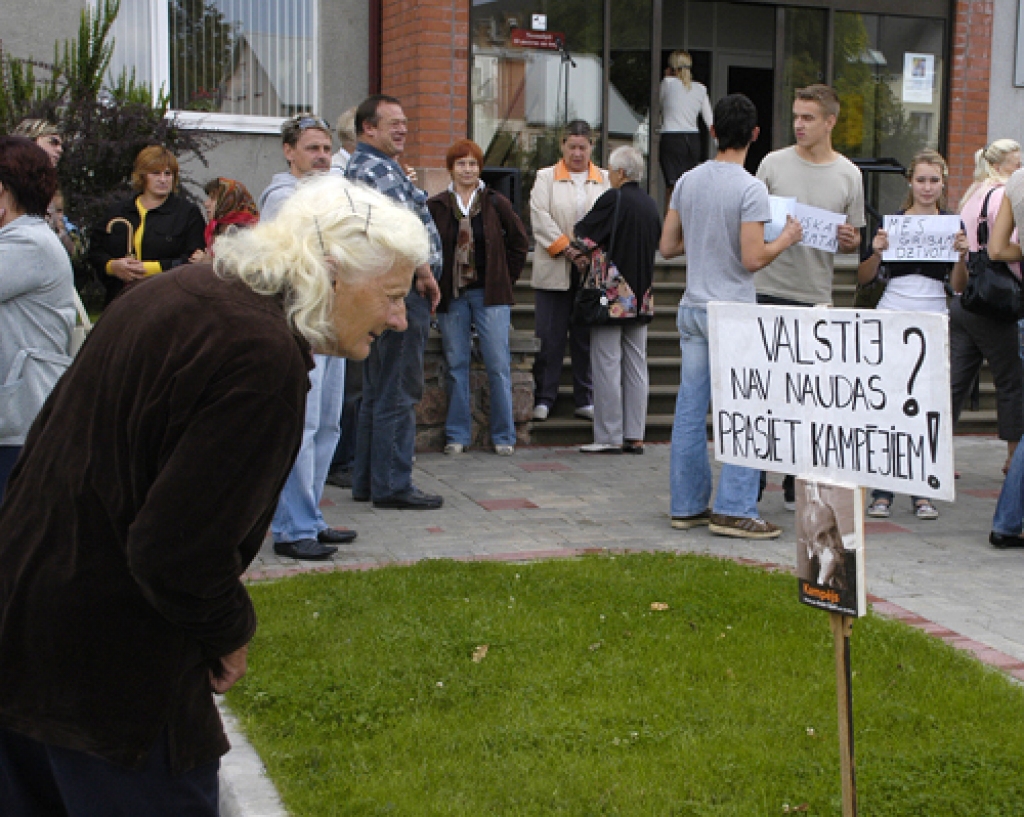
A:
590, 306
992, 289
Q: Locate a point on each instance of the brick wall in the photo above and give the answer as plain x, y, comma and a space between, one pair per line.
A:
969, 98
424, 62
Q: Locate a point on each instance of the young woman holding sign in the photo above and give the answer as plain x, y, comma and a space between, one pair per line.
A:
914, 286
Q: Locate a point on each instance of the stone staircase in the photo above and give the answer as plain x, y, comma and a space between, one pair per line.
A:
561, 428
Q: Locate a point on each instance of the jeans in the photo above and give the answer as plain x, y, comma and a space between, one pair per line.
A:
392, 386
492, 325
1009, 516
690, 466
42, 779
298, 510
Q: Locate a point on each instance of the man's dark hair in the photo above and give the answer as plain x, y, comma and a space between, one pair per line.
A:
367, 110
578, 127
735, 120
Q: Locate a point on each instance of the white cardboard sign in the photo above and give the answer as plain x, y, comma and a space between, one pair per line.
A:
921, 238
819, 225
838, 395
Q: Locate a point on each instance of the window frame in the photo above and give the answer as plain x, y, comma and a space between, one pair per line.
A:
160, 71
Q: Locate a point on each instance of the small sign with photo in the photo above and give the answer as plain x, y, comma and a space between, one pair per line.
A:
830, 547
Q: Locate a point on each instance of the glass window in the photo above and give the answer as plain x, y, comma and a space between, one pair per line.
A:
803, 59
888, 74
238, 59
527, 83
629, 93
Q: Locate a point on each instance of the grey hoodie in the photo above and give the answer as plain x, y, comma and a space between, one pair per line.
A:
281, 186
37, 313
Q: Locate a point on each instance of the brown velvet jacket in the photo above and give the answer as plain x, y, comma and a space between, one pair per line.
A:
505, 240
144, 490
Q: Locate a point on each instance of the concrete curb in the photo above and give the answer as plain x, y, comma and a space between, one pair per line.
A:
245, 789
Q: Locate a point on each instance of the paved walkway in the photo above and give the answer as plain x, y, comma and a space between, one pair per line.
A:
942, 576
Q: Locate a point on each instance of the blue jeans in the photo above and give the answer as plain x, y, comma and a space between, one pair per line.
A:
8, 456
392, 386
1009, 515
690, 466
298, 510
492, 323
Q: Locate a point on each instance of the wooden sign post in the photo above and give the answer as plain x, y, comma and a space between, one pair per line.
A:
842, 627
841, 399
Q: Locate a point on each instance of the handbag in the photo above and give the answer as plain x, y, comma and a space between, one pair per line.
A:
604, 295
82, 329
867, 296
992, 289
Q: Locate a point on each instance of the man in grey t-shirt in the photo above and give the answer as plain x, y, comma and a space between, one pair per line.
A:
717, 217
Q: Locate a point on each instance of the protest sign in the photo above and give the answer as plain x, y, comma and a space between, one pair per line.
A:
819, 225
838, 395
921, 238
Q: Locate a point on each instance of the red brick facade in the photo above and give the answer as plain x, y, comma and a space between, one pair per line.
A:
424, 62
968, 103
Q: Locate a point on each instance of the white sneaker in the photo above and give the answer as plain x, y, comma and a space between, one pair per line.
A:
504, 450
454, 448
585, 413
540, 412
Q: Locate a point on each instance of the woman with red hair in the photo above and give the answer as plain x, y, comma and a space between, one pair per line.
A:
154, 231
485, 246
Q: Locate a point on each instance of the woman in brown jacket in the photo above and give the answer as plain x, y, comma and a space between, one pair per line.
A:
485, 246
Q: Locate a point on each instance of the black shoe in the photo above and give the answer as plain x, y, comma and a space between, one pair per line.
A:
333, 536
1002, 541
412, 500
360, 497
308, 549
340, 479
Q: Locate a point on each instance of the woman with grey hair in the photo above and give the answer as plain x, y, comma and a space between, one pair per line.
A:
144, 491
624, 223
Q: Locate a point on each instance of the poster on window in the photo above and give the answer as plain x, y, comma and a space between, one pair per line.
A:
918, 77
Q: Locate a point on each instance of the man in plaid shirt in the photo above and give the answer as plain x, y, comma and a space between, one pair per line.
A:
393, 373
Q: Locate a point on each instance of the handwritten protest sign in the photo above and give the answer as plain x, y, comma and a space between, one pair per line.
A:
921, 238
819, 225
839, 395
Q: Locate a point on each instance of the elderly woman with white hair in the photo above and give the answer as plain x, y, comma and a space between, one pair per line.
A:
146, 487
624, 222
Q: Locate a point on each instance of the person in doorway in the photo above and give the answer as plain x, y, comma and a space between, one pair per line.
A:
561, 196
485, 247
682, 101
717, 218
914, 286
144, 491
393, 373
813, 173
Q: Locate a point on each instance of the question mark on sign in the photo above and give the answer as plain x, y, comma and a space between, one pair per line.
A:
911, 408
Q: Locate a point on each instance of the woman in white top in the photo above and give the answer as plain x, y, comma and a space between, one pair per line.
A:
682, 101
915, 286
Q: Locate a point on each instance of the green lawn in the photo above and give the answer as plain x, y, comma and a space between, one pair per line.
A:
363, 697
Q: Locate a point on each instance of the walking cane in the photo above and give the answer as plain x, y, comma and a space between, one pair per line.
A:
131, 234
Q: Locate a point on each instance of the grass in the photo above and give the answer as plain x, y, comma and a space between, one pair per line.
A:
363, 697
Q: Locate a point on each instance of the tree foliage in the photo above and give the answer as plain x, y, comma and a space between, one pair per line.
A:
105, 120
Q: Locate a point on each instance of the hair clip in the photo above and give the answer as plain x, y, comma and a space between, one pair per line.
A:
316, 223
